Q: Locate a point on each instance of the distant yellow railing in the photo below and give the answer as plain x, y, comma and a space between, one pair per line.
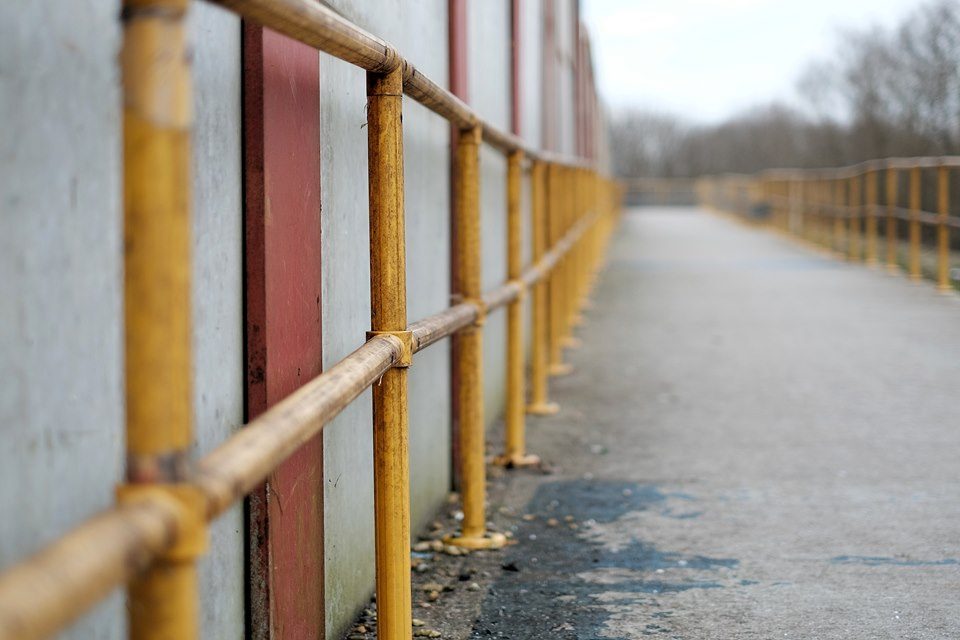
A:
660, 191
854, 210
153, 536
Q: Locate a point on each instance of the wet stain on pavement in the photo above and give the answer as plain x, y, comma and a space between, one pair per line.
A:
771, 264
564, 581
878, 561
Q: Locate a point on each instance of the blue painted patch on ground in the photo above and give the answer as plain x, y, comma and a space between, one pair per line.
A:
878, 561
545, 592
684, 515
706, 265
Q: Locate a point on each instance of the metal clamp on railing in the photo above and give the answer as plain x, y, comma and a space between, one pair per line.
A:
521, 286
190, 507
406, 345
481, 308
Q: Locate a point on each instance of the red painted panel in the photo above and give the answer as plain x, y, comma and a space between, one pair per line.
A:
459, 80
282, 246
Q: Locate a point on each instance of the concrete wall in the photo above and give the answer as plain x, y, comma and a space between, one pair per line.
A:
566, 84
218, 295
61, 314
61, 253
419, 29
531, 70
488, 72
60, 294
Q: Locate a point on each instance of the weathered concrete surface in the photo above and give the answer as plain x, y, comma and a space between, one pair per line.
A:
758, 442
61, 261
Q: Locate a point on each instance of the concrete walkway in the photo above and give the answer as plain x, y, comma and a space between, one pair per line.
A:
758, 441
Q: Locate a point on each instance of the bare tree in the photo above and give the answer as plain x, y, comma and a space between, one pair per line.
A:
882, 92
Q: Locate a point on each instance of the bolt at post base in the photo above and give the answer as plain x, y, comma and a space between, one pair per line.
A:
486, 540
517, 461
543, 409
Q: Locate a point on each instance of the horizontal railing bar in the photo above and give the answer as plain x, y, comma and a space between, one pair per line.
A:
552, 157
320, 27
241, 463
435, 328
510, 291
508, 143
437, 99
502, 295
854, 170
129, 538
324, 29
441, 325
48, 590
536, 272
843, 211
75, 572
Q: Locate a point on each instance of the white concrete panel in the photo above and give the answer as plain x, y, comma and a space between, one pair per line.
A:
566, 108
345, 300
218, 295
61, 302
61, 400
566, 83
531, 115
531, 71
490, 91
488, 57
493, 230
426, 167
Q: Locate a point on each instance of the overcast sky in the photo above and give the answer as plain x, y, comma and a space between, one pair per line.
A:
707, 59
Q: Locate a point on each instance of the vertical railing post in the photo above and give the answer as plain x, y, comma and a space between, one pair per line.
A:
892, 239
580, 197
943, 231
855, 238
914, 251
568, 205
388, 315
163, 600
572, 259
556, 194
473, 534
839, 224
871, 212
822, 204
583, 243
815, 195
539, 402
804, 208
829, 213
812, 210
796, 207
515, 454
596, 200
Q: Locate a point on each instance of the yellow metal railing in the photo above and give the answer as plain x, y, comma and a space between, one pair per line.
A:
865, 212
153, 536
660, 192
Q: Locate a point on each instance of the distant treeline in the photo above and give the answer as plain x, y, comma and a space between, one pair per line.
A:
884, 92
